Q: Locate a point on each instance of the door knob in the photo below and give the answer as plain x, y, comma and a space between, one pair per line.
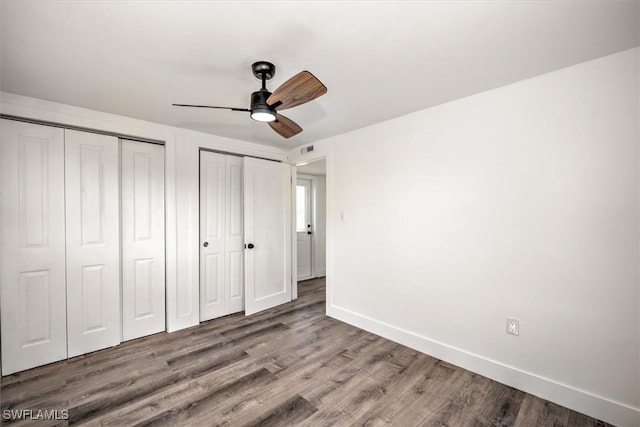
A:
205, 244
251, 246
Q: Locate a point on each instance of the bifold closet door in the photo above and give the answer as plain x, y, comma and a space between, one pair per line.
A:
221, 243
143, 249
234, 241
93, 243
267, 234
32, 245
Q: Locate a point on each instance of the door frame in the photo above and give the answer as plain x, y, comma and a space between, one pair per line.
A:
201, 148
310, 158
311, 220
294, 237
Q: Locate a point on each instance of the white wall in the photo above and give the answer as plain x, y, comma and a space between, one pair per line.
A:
181, 186
517, 202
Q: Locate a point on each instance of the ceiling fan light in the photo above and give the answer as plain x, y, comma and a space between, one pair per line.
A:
263, 115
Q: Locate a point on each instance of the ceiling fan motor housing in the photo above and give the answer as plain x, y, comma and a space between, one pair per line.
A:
259, 99
260, 110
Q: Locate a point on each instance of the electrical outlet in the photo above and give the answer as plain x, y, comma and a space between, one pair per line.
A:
513, 326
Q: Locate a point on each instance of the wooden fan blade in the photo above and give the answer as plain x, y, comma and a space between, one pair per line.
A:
284, 126
301, 88
210, 106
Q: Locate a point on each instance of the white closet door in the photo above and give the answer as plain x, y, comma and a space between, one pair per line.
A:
93, 244
32, 240
143, 277
234, 253
212, 234
267, 228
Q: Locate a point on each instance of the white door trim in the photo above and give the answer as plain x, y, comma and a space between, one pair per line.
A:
303, 160
294, 239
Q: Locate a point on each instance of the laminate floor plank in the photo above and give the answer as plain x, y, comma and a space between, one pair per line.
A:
144, 409
290, 365
406, 390
384, 369
472, 402
74, 394
202, 408
292, 412
293, 380
299, 378
424, 397
342, 403
538, 412
301, 343
503, 407
442, 404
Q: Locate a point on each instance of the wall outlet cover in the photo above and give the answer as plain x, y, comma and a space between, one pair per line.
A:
513, 326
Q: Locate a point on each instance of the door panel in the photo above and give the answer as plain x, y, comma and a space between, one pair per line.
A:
267, 219
236, 273
213, 288
143, 296
92, 241
94, 289
143, 249
303, 228
34, 292
212, 223
32, 249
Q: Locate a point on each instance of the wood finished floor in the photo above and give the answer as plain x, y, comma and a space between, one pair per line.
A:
290, 365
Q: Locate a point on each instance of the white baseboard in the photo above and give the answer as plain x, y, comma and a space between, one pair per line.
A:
578, 400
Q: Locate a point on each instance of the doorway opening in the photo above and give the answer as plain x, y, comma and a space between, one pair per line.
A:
310, 220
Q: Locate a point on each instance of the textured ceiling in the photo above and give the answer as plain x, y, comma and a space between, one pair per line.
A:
378, 59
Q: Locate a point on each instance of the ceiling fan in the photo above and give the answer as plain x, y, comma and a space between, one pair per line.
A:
299, 89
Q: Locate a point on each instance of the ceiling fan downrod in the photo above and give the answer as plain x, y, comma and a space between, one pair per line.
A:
260, 110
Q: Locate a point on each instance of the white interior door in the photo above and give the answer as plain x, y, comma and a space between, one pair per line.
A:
93, 241
212, 229
267, 222
143, 274
32, 241
234, 242
221, 231
303, 228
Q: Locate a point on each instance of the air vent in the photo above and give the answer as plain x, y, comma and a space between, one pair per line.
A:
307, 149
